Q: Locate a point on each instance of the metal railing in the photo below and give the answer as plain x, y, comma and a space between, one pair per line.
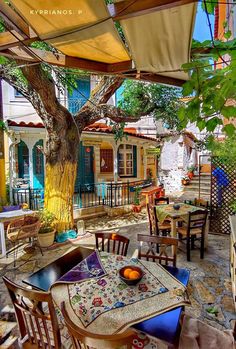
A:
33, 197
110, 194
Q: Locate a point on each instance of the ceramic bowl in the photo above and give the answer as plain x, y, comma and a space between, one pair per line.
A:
176, 206
130, 282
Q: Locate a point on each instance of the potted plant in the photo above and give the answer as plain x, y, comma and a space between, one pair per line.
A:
47, 232
185, 180
190, 172
136, 207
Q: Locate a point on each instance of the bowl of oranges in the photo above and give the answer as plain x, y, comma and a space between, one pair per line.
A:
131, 274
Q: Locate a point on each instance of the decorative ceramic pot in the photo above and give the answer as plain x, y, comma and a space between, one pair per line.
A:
46, 239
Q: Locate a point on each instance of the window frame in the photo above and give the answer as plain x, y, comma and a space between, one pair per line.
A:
123, 150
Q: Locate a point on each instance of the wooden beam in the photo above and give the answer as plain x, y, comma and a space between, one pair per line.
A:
8, 40
25, 57
119, 67
166, 80
14, 20
61, 60
129, 8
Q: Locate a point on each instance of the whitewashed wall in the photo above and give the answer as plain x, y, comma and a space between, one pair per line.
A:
171, 164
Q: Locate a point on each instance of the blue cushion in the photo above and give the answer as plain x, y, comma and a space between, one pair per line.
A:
166, 326
11, 208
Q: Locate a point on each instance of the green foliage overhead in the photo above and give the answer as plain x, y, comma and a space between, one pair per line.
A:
212, 83
225, 149
158, 100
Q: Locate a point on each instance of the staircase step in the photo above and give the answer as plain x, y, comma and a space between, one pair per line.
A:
206, 191
196, 186
192, 182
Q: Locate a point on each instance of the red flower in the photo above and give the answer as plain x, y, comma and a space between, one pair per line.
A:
143, 287
97, 302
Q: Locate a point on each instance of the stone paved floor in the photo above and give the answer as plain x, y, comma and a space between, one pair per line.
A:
209, 284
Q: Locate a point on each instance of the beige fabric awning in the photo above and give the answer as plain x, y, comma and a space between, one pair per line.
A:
79, 28
158, 35
161, 41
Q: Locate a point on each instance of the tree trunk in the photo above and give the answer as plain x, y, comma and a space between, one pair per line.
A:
59, 191
61, 169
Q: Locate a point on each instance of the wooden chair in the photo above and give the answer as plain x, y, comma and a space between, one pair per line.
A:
116, 243
38, 328
155, 227
195, 226
84, 339
161, 201
201, 203
22, 229
157, 248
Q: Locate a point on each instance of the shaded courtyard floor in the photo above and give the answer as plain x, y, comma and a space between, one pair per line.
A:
209, 287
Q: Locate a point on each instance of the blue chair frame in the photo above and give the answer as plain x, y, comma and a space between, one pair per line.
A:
166, 326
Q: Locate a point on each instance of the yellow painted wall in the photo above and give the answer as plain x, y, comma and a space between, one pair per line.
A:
151, 163
105, 145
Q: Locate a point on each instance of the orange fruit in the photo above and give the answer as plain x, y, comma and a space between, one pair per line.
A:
127, 272
134, 275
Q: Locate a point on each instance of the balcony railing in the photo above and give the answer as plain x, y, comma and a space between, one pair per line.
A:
110, 194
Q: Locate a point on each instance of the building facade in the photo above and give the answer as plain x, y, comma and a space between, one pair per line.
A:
100, 157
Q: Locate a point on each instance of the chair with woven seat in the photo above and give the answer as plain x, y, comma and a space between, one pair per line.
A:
22, 229
84, 339
116, 244
155, 227
38, 328
194, 227
161, 254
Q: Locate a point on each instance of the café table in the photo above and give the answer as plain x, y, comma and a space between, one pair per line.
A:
7, 217
181, 214
164, 326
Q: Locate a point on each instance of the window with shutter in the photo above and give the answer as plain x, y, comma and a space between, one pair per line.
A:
106, 160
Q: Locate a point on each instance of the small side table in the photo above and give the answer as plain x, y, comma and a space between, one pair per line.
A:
151, 192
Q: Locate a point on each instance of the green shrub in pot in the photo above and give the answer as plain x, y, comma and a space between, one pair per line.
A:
47, 220
47, 231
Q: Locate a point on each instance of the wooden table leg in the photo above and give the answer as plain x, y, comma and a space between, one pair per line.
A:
173, 227
206, 233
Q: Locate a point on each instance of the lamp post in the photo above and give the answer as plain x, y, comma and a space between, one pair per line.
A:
2, 156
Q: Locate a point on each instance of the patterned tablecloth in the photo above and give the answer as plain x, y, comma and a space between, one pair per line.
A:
164, 211
104, 304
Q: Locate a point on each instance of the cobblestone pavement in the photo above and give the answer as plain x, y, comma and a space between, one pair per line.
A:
209, 287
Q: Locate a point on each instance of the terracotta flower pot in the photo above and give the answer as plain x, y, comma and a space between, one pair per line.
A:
185, 182
136, 208
190, 175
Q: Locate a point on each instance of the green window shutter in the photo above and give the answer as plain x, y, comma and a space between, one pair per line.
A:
135, 160
23, 160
